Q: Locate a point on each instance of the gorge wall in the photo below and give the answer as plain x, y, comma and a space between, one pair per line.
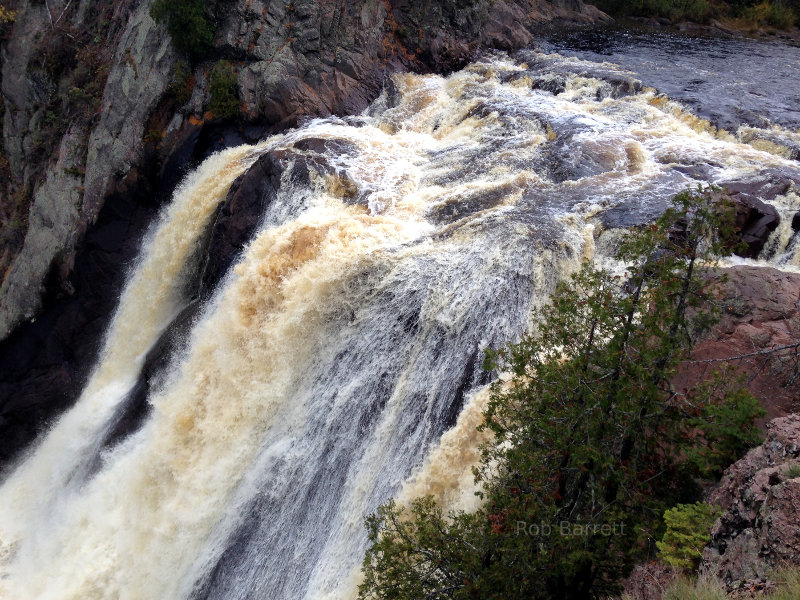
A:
101, 116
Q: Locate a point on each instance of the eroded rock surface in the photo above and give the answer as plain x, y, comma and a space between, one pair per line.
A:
760, 528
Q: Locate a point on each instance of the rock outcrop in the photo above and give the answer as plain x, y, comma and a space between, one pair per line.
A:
101, 115
760, 312
760, 494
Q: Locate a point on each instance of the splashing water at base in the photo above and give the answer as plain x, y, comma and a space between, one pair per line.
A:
348, 337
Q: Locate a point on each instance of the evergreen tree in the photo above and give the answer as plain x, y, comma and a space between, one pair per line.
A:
187, 23
591, 443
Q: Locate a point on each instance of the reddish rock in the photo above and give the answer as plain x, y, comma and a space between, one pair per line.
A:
760, 311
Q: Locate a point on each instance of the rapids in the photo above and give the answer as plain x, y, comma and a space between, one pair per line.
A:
319, 378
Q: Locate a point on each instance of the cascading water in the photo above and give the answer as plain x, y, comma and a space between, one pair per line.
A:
348, 336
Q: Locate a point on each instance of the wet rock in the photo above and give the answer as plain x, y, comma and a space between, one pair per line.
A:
760, 494
756, 221
238, 217
458, 208
554, 84
133, 410
253, 191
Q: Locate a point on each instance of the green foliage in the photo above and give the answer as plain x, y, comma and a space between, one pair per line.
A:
700, 11
187, 24
591, 443
222, 85
776, 13
729, 419
793, 471
688, 532
703, 588
780, 15
154, 136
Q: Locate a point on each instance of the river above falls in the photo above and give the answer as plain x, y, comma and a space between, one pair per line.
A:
730, 82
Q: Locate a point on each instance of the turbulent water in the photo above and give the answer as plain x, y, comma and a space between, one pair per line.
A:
348, 337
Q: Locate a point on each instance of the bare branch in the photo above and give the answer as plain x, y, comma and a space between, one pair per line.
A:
740, 356
49, 15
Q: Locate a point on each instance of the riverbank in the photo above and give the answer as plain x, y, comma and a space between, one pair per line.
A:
771, 20
724, 28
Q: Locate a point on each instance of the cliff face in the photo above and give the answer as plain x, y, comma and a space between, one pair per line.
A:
101, 115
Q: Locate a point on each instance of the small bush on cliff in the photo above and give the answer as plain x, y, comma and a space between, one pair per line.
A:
182, 82
222, 86
591, 442
688, 532
187, 23
7, 16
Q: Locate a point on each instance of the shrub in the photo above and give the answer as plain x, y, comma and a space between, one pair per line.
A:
688, 532
7, 16
780, 15
187, 24
700, 11
182, 82
222, 86
704, 588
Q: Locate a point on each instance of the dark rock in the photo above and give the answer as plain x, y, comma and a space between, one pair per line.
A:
133, 410
756, 221
459, 208
238, 217
253, 191
554, 85
46, 360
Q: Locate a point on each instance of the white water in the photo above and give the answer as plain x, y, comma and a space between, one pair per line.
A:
338, 350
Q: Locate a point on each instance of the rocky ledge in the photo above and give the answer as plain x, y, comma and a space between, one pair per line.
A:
760, 494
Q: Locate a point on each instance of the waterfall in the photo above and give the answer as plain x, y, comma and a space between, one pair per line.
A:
338, 362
